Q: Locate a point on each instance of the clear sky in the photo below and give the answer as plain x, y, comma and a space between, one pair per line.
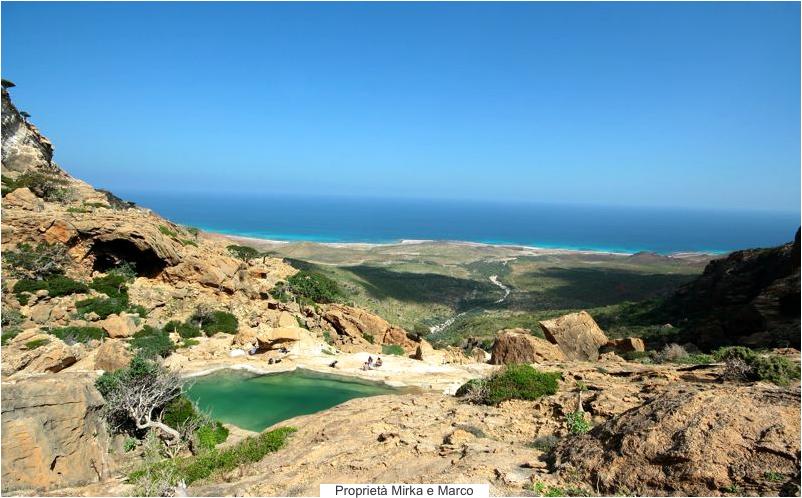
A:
666, 104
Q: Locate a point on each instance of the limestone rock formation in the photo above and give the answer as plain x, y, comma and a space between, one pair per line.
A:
119, 326
693, 441
112, 355
24, 148
625, 345
52, 433
360, 330
576, 334
51, 355
520, 346
750, 297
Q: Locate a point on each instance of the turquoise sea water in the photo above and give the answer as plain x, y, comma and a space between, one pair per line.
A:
374, 220
255, 402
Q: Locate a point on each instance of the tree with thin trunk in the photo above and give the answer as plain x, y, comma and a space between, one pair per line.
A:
138, 394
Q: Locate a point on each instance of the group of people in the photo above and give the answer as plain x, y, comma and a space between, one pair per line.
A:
370, 364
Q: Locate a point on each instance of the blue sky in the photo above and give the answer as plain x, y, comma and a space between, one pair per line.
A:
664, 104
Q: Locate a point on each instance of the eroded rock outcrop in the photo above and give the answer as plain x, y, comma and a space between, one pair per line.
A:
693, 441
52, 433
577, 335
360, 330
750, 297
520, 346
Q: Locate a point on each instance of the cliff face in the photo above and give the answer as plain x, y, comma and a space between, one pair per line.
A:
24, 148
750, 297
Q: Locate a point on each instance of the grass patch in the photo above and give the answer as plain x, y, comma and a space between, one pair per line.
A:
577, 423
514, 382
168, 231
78, 334
103, 307
393, 349
151, 342
192, 469
31, 345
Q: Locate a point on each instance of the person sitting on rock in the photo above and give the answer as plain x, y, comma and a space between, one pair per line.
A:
333, 364
366, 366
370, 361
378, 362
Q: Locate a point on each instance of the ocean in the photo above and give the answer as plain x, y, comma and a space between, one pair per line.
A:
373, 220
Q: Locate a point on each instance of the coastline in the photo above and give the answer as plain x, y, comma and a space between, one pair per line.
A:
525, 250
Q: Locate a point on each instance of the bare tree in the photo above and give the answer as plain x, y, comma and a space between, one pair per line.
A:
139, 393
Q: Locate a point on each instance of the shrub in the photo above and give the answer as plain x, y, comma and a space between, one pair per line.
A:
47, 186
212, 322
244, 253
113, 285
31, 345
392, 349
11, 317
514, 382
37, 263
184, 330
192, 469
577, 424
138, 309
8, 334
210, 435
314, 286
327, 338
745, 364
193, 231
369, 338
103, 307
167, 231
129, 444
178, 411
55, 285
152, 342
188, 343
671, 353
545, 443
78, 334
188, 242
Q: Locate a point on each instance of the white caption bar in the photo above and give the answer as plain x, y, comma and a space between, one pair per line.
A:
432, 490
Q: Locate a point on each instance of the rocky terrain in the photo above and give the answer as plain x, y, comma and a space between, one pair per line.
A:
609, 426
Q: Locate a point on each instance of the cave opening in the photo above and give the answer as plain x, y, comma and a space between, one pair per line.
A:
112, 253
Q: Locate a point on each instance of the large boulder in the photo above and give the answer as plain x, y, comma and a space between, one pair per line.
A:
117, 326
23, 198
36, 352
520, 346
112, 355
53, 434
692, 441
576, 334
278, 337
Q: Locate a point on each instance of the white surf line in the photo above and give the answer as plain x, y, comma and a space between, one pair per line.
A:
494, 279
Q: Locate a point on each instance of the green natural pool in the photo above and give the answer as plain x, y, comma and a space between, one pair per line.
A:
255, 402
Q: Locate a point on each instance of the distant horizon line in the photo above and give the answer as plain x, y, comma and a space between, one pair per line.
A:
444, 199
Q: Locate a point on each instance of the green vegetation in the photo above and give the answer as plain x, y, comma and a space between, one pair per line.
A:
30, 345
185, 330
78, 334
188, 242
214, 321
745, 364
55, 285
393, 349
103, 307
244, 253
541, 489
36, 262
210, 462
178, 411
577, 423
151, 342
773, 476
513, 382
192, 231
168, 231
315, 287
8, 334
47, 186
210, 435
369, 338
129, 444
